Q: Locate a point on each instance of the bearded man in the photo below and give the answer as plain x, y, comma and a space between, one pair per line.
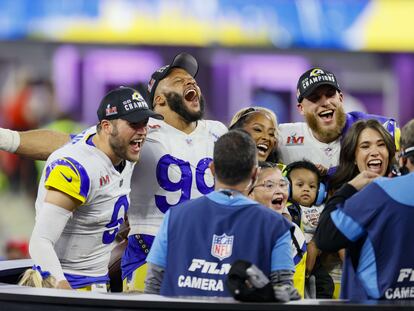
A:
318, 139
174, 166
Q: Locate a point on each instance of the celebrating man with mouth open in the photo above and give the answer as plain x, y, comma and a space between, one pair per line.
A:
175, 160
318, 139
83, 193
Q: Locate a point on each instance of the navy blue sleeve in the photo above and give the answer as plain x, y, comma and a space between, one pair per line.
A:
327, 236
364, 206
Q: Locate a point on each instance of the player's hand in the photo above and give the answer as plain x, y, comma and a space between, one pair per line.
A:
64, 284
363, 179
322, 169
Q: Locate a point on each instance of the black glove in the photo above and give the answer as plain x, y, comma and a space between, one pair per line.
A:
247, 283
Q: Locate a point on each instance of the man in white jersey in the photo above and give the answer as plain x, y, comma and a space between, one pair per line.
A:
318, 139
174, 162
174, 166
83, 193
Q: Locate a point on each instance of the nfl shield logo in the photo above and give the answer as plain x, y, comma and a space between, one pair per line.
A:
222, 246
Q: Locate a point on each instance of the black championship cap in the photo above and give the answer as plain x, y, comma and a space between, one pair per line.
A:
312, 79
183, 60
125, 103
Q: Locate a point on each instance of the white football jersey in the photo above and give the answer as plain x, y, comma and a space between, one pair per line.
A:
296, 142
84, 172
173, 168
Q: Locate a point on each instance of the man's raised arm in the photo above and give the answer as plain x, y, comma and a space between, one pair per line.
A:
34, 144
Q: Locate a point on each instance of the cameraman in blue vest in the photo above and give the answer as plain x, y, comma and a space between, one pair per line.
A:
372, 218
201, 238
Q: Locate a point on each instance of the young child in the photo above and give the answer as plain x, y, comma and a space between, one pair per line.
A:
306, 195
272, 190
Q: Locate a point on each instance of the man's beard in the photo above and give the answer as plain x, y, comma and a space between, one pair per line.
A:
176, 104
118, 147
327, 135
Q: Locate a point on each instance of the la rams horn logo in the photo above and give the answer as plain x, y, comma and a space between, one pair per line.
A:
316, 72
137, 96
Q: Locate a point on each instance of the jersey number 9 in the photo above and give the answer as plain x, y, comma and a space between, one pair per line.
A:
116, 220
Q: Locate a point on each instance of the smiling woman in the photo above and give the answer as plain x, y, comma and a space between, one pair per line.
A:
367, 147
367, 152
261, 124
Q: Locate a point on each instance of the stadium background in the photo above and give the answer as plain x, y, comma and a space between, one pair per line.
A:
251, 52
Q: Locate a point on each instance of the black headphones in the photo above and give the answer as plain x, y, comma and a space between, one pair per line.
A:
321, 192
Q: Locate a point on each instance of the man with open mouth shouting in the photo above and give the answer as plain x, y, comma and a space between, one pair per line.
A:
318, 139
175, 161
83, 193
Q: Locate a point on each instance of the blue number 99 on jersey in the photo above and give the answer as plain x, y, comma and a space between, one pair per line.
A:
185, 181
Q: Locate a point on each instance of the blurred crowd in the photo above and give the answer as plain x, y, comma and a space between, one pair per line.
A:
26, 102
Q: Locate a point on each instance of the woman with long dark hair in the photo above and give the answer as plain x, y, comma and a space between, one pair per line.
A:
366, 146
367, 152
